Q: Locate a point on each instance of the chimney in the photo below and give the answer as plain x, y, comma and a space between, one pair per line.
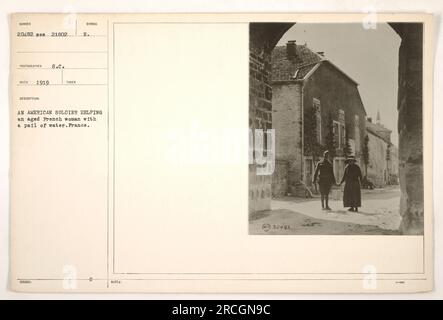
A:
291, 49
378, 117
321, 53
369, 119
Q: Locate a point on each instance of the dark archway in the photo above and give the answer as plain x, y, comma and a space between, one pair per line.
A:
264, 37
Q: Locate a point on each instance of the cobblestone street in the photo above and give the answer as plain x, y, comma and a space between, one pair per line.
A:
379, 214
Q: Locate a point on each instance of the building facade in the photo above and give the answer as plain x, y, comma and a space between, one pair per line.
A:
315, 107
382, 168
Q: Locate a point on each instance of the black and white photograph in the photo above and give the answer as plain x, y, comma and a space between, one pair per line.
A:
237, 153
335, 119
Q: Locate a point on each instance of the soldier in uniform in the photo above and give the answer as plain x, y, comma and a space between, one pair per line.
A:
324, 174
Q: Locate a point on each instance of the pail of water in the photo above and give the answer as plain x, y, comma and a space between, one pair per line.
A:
336, 193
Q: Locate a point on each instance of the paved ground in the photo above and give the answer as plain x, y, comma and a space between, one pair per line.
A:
379, 214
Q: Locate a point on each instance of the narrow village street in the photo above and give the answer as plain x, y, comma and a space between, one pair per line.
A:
379, 214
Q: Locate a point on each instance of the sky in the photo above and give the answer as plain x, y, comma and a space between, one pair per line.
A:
369, 56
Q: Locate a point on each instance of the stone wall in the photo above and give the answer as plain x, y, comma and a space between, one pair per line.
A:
410, 127
280, 179
262, 39
260, 117
287, 122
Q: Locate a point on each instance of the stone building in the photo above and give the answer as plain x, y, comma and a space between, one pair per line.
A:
382, 168
315, 106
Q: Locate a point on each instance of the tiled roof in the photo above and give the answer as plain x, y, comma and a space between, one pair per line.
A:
285, 69
376, 127
378, 130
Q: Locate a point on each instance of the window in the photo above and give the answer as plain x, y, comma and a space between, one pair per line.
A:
341, 116
317, 109
339, 134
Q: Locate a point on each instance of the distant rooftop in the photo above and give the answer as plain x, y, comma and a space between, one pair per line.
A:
379, 130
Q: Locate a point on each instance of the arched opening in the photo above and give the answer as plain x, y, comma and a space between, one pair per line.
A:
402, 104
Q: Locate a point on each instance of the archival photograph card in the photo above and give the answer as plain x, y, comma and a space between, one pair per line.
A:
221, 153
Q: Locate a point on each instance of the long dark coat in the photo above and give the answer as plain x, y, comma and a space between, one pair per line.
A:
352, 193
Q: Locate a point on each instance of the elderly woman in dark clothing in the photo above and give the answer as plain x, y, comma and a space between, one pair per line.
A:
352, 178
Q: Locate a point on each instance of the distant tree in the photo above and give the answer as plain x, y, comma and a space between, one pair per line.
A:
388, 158
388, 153
330, 142
365, 153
